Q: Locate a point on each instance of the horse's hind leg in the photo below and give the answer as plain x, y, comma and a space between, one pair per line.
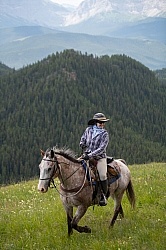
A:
117, 208
116, 212
121, 213
81, 210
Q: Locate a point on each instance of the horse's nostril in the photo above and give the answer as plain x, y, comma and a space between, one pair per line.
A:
41, 190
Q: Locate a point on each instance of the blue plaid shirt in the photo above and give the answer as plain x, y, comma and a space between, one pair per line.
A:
95, 145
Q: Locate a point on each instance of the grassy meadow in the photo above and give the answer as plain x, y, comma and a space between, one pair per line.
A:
34, 221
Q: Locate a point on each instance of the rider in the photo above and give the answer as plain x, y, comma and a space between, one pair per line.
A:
95, 140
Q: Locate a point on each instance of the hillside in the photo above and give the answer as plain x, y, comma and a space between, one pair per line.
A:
31, 220
50, 102
161, 75
4, 69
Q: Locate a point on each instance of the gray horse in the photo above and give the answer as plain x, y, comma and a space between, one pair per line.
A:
77, 185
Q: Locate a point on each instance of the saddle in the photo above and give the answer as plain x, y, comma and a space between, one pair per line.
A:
112, 167
113, 170
113, 174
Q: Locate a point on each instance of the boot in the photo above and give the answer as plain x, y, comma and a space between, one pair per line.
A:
104, 187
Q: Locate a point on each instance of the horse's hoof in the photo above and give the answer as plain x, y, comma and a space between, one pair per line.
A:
111, 225
87, 229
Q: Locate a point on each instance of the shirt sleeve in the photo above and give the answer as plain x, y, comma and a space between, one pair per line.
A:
83, 139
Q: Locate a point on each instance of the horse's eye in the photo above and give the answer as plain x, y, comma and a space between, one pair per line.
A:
49, 169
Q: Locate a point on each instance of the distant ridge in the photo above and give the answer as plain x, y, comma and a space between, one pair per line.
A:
22, 46
123, 20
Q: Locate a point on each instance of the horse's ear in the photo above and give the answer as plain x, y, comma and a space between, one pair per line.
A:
42, 152
52, 153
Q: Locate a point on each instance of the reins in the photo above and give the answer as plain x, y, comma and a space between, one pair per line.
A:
77, 189
71, 190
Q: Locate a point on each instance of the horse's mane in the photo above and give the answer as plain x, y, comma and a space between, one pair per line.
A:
66, 152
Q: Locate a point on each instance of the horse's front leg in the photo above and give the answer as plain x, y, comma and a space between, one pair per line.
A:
69, 220
81, 210
69, 213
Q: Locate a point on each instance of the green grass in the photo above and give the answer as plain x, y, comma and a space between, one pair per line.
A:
33, 221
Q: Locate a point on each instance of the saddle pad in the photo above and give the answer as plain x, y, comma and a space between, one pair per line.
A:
114, 178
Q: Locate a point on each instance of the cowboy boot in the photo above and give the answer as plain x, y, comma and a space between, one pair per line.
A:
104, 187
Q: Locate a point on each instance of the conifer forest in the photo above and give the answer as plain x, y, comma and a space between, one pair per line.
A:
50, 102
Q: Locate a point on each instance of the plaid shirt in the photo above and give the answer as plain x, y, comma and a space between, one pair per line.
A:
96, 146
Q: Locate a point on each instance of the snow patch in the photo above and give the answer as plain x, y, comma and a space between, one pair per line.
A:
21, 39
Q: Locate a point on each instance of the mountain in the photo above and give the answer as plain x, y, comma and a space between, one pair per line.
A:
117, 10
151, 29
38, 12
119, 19
30, 30
4, 69
111, 13
161, 75
21, 46
49, 103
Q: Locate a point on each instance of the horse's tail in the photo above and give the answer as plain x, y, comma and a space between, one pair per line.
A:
130, 194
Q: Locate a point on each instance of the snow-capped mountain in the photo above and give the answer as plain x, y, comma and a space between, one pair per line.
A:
50, 14
38, 12
117, 10
32, 29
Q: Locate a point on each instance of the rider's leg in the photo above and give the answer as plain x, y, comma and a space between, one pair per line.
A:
102, 170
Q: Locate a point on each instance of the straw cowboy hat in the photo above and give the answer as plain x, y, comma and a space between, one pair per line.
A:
98, 117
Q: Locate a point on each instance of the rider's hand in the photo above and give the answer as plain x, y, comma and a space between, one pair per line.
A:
86, 157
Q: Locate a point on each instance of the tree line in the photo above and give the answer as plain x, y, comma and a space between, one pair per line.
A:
49, 103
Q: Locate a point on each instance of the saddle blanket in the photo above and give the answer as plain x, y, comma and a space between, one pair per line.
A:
113, 171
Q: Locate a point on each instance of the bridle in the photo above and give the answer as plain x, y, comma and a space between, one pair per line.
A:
54, 172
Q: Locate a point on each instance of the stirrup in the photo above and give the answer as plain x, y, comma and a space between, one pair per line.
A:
103, 201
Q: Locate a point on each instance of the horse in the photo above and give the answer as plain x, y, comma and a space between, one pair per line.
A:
77, 187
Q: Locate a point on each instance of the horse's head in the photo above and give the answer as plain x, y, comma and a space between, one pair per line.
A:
48, 169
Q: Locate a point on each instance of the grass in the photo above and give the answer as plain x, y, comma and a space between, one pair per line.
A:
33, 221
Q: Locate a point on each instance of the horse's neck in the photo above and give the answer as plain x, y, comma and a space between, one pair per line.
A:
70, 172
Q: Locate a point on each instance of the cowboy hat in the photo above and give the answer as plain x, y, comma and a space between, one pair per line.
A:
98, 117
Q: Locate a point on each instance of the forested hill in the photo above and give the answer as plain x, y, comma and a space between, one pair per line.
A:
4, 69
161, 74
50, 102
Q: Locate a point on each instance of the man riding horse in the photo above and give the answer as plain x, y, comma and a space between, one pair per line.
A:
94, 142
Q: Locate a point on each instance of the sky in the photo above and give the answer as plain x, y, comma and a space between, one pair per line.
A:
71, 2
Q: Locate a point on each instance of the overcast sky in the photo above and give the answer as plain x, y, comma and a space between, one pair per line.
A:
71, 2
